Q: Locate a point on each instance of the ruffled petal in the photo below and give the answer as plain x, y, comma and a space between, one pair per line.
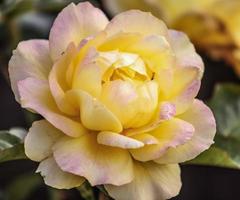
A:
30, 59
99, 164
35, 95
55, 177
171, 133
73, 24
201, 117
151, 182
40, 139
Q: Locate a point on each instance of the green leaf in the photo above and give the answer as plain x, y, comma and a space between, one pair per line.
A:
225, 105
86, 191
11, 147
215, 157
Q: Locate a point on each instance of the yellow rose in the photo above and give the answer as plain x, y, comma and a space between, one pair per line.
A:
213, 25
118, 102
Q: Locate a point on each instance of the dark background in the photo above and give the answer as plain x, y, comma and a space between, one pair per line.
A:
199, 182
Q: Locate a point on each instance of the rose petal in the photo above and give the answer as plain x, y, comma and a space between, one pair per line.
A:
58, 84
205, 128
99, 164
118, 140
88, 75
73, 24
169, 133
30, 59
139, 101
55, 177
185, 87
40, 139
146, 138
136, 21
151, 182
94, 115
155, 51
185, 52
35, 94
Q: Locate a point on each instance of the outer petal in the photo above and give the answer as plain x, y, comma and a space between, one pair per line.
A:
99, 164
40, 139
118, 140
185, 88
205, 128
135, 21
55, 177
73, 24
35, 94
30, 59
151, 182
169, 133
185, 52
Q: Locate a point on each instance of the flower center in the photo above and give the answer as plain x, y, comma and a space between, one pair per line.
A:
123, 66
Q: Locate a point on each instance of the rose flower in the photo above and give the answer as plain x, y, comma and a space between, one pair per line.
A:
118, 102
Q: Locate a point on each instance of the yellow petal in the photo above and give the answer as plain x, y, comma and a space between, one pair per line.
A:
35, 95
30, 59
40, 139
139, 101
94, 115
57, 81
118, 140
73, 24
169, 133
201, 117
146, 138
136, 21
55, 177
151, 182
99, 164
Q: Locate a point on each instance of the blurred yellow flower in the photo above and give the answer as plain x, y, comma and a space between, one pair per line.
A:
212, 25
118, 100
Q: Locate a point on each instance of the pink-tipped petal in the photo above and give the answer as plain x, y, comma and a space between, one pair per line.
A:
201, 117
40, 139
55, 177
136, 21
73, 24
30, 59
99, 164
171, 133
35, 95
184, 50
